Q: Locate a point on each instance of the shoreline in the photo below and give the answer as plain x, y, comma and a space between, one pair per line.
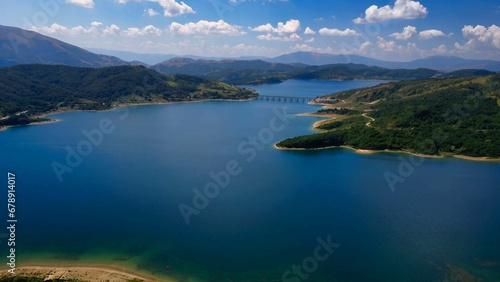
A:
369, 152
331, 117
83, 272
3, 128
114, 107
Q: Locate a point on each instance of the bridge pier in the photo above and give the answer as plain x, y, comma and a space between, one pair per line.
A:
286, 99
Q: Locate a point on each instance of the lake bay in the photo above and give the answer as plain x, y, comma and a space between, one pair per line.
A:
110, 187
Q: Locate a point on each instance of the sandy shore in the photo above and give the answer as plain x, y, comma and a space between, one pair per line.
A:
2, 128
366, 152
82, 273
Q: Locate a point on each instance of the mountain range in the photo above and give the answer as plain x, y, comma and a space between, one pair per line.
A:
18, 46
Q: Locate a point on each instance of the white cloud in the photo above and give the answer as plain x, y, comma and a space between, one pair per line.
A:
148, 30
264, 28
206, 28
365, 48
270, 37
441, 50
391, 51
387, 46
431, 33
403, 9
488, 36
338, 32
171, 8
309, 31
407, 33
57, 29
310, 40
97, 29
84, 3
111, 30
307, 48
291, 26
151, 12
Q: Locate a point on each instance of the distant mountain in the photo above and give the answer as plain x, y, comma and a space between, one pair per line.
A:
231, 71
153, 59
18, 46
441, 63
260, 72
318, 59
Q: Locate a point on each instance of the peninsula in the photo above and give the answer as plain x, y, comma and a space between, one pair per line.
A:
444, 116
31, 91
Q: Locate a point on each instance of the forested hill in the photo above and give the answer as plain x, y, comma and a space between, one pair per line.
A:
30, 90
431, 116
19, 46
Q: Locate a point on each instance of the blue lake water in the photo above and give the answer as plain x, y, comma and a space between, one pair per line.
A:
265, 210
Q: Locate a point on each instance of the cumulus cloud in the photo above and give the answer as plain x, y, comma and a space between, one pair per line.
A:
291, 26
84, 3
148, 30
151, 12
403, 9
407, 33
307, 48
365, 48
309, 31
204, 27
338, 32
270, 37
57, 29
489, 36
431, 33
97, 29
387, 46
171, 8
390, 50
111, 30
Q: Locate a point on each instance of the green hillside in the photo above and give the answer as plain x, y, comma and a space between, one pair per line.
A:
30, 90
431, 116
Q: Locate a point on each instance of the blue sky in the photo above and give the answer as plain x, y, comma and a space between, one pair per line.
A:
396, 30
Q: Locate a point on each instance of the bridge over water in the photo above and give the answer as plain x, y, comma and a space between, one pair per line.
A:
286, 99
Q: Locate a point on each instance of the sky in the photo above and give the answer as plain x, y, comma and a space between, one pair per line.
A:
393, 30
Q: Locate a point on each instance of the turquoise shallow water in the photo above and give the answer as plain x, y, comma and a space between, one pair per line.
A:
120, 203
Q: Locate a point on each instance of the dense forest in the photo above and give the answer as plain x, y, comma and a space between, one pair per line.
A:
432, 116
30, 90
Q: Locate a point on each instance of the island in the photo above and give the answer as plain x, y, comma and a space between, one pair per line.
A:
455, 116
30, 92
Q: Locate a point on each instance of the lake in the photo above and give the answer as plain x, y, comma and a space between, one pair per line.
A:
196, 191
